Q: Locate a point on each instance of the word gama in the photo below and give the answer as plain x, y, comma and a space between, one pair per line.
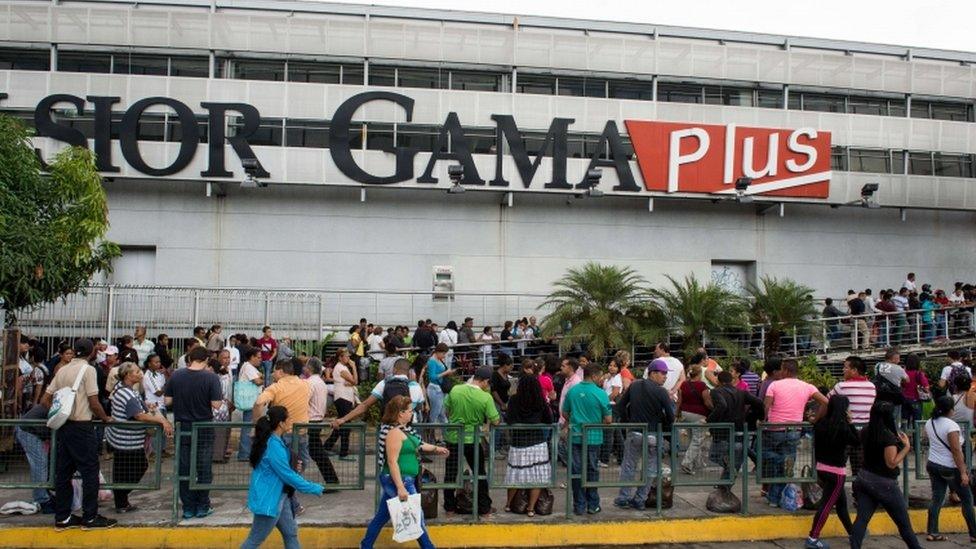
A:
672, 157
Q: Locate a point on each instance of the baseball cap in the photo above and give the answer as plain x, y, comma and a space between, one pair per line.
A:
484, 372
111, 350
658, 365
83, 346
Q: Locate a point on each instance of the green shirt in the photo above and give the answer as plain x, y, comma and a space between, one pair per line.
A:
408, 459
586, 403
470, 406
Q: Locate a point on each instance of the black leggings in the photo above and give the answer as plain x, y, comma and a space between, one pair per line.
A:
343, 407
834, 495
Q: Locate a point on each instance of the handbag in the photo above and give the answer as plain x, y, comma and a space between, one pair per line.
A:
63, 402
245, 393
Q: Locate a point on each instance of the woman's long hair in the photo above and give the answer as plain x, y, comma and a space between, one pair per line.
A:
263, 429
881, 427
943, 407
528, 395
835, 420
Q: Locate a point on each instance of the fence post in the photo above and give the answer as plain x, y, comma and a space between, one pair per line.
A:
110, 313
267, 309
854, 338
796, 348
945, 317
762, 341
918, 329
744, 475
321, 329
887, 330
196, 308
475, 472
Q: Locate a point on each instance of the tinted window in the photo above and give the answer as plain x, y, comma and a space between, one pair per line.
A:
869, 160
770, 99
919, 163
321, 73
898, 162
175, 129
196, 67
307, 133
382, 76
84, 62
958, 112
249, 69
953, 165
269, 133
141, 64
422, 78
723, 95
25, 60
631, 89
867, 105
679, 93
421, 138
353, 74
823, 102
896, 107
838, 159
476, 81
582, 87
536, 83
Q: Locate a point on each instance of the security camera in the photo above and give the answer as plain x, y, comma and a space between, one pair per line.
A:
251, 167
455, 172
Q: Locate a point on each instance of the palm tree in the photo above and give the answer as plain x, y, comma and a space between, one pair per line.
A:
696, 310
593, 303
784, 306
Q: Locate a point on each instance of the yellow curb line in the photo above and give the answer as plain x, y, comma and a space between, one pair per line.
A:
544, 534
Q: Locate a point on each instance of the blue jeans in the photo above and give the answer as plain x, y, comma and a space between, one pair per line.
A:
634, 443
267, 367
198, 499
262, 526
435, 397
585, 498
383, 513
244, 447
777, 448
37, 458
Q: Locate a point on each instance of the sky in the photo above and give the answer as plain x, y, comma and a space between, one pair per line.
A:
942, 24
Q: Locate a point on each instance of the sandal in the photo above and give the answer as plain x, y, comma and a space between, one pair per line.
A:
936, 537
530, 514
508, 509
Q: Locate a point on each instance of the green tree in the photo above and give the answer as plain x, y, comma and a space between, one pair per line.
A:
784, 306
698, 310
594, 303
52, 224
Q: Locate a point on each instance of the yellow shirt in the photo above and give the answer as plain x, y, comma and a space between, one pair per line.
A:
292, 393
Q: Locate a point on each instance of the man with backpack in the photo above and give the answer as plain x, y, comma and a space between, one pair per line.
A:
954, 369
397, 384
889, 377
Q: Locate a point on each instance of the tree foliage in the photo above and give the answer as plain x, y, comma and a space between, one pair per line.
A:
595, 303
696, 309
52, 225
784, 306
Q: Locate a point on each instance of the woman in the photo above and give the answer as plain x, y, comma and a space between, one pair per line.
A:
487, 337
914, 392
832, 434
215, 340
876, 484
529, 456
692, 409
221, 440
66, 354
623, 363
545, 380
162, 350
963, 399
129, 461
273, 482
613, 387
438, 373
401, 466
449, 337
947, 468
344, 395
127, 351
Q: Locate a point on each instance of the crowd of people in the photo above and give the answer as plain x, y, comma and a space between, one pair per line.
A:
461, 382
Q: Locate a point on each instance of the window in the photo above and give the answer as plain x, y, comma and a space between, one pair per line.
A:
536, 83
196, 67
269, 132
151, 127
140, 64
794, 101
726, 95
480, 140
421, 138
476, 81
823, 102
422, 78
953, 165
582, 87
306, 133
919, 163
321, 73
896, 107
25, 60
959, 112
838, 159
379, 137
251, 69
84, 124
631, 89
898, 162
869, 160
770, 99
174, 131
382, 76
867, 105
84, 62
680, 93
353, 74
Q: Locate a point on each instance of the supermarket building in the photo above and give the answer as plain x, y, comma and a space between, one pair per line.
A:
354, 115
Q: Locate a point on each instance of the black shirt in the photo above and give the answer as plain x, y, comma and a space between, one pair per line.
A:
833, 450
646, 402
874, 460
164, 357
501, 385
856, 306
192, 392
523, 438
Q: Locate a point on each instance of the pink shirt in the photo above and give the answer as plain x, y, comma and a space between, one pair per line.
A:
547, 387
742, 386
790, 398
577, 377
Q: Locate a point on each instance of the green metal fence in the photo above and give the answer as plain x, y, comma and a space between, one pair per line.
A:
15, 470
785, 452
921, 445
324, 466
709, 455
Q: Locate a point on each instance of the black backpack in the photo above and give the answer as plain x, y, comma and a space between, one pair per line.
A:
395, 387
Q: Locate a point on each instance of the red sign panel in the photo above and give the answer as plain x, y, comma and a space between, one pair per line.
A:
709, 158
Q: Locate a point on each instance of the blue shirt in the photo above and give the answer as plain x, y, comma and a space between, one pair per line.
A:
269, 478
586, 404
434, 369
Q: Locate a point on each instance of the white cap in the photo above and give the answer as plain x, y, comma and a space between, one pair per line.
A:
111, 350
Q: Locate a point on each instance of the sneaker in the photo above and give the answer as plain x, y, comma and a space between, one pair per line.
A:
637, 505
594, 510
604, 465
622, 503
74, 521
205, 512
815, 544
98, 523
127, 509
187, 514
47, 508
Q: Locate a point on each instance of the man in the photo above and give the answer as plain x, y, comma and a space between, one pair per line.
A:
77, 448
676, 370
954, 367
889, 379
730, 405
424, 337
586, 402
466, 333
572, 374
857, 309
397, 384
293, 393
143, 346
183, 360
857, 388
901, 304
269, 352
785, 402
711, 370
192, 394
886, 308
235, 355
500, 387
317, 405
832, 312
649, 403
385, 368
285, 350
34, 440
910, 282
470, 406
200, 334
250, 372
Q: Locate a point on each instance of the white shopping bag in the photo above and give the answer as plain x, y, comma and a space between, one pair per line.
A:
406, 517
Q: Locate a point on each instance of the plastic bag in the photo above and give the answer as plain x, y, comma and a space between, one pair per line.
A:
792, 498
406, 517
812, 492
722, 500
544, 505
520, 502
667, 495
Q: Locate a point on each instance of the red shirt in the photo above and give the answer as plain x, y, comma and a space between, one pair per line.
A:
268, 346
691, 397
626, 374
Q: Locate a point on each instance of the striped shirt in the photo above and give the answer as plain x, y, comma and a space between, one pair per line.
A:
126, 404
861, 393
381, 442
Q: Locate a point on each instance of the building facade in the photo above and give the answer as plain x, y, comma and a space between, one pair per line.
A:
355, 114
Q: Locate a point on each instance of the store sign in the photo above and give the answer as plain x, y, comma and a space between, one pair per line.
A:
673, 157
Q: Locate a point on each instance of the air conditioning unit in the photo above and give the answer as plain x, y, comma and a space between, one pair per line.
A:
443, 282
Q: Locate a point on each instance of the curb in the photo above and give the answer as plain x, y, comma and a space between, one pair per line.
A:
544, 534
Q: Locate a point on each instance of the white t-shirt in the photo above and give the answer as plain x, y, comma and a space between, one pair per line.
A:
489, 338
910, 284
416, 392
901, 303
375, 343
235, 357
249, 372
343, 389
956, 298
448, 337
152, 382
947, 371
615, 381
937, 431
